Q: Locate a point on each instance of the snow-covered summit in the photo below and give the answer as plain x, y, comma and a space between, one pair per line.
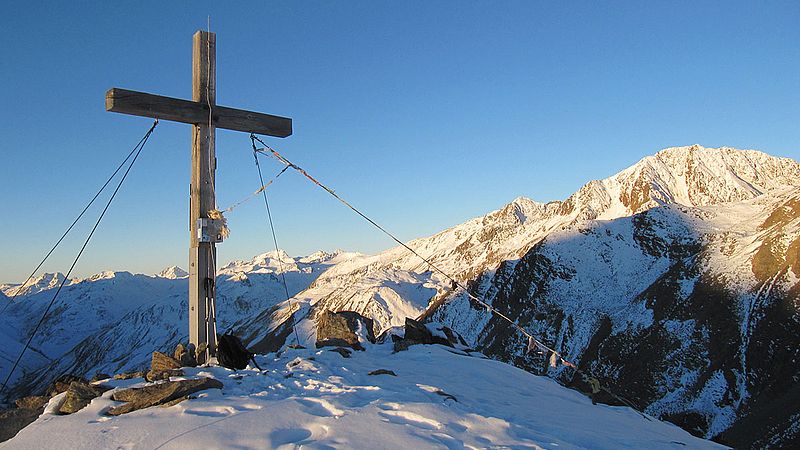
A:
689, 176
34, 285
173, 273
318, 399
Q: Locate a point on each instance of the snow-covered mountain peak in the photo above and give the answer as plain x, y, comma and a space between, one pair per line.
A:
520, 210
173, 273
322, 257
108, 275
34, 285
690, 176
274, 255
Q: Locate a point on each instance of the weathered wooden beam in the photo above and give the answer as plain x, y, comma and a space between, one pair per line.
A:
202, 255
178, 110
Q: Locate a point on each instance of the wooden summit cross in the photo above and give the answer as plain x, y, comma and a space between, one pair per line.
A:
205, 116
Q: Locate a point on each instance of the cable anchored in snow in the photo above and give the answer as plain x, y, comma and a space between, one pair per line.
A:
272, 228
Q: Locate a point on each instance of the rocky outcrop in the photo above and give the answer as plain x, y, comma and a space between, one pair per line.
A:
32, 402
343, 329
78, 396
184, 357
62, 383
13, 420
129, 375
416, 333
163, 366
168, 392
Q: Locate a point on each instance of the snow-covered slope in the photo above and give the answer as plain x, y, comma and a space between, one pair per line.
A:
317, 399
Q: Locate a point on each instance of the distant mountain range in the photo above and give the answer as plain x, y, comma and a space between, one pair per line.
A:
675, 282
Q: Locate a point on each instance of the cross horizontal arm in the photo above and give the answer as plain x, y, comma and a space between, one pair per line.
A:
168, 108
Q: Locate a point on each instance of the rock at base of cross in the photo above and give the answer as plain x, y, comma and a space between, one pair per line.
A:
169, 392
78, 396
342, 329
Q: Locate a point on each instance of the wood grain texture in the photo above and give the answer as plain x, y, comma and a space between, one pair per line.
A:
167, 108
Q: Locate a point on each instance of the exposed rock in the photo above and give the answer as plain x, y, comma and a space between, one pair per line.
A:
444, 394
161, 362
184, 356
163, 375
200, 353
341, 329
100, 376
13, 420
160, 393
32, 402
432, 333
62, 383
342, 351
78, 396
174, 402
382, 372
129, 375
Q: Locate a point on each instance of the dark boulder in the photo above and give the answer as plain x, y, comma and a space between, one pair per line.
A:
32, 402
100, 376
342, 351
62, 383
13, 420
342, 329
426, 333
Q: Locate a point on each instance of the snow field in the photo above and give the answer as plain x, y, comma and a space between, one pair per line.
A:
319, 400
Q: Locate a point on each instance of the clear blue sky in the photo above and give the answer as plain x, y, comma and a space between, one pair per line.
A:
423, 114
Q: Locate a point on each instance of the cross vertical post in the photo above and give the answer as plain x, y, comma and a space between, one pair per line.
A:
205, 116
202, 255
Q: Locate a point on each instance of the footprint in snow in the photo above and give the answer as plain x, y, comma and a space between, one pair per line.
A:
410, 418
320, 407
449, 441
289, 436
293, 437
389, 406
212, 411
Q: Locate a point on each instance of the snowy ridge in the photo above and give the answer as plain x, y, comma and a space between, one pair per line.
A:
34, 285
689, 176
437, 399
173, 273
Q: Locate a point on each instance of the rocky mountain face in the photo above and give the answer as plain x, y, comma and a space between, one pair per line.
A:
674, 282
